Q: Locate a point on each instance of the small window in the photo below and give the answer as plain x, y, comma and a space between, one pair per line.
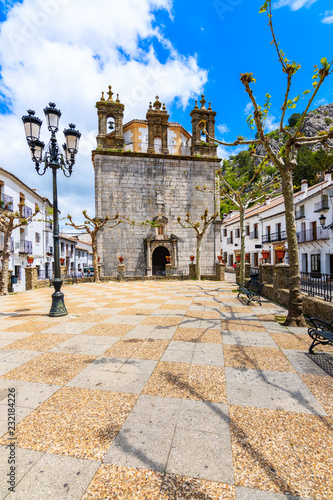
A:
315, 263
37, 237
247, 231
225, 232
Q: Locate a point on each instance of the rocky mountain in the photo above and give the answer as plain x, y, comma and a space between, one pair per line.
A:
318, 120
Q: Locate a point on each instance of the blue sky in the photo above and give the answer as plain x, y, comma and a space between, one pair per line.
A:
68, 51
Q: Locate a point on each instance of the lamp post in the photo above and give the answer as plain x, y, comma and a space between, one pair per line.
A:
54, 159
322, 220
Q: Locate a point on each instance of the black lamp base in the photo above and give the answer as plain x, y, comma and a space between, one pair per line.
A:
58, 307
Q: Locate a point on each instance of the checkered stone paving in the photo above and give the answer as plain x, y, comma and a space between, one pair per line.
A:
162, 390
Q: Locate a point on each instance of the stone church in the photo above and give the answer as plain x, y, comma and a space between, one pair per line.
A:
148, 170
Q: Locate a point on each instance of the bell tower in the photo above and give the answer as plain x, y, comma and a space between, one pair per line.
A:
203, 145
157, 127
110, 122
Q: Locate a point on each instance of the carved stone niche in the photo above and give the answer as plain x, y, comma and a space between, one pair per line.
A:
167, 245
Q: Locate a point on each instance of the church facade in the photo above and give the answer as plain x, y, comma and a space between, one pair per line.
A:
148, 170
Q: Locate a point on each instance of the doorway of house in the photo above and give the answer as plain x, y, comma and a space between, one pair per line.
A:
159, 260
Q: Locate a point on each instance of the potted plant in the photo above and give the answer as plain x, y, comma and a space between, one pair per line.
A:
62, 261
265, 255
220, 259
192, 258
121, 259
168, 258
280, 253
30, 259
238, 257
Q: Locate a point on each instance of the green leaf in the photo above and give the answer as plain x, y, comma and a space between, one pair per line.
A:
263, 8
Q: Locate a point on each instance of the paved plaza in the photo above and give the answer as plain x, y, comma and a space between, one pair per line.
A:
161, 390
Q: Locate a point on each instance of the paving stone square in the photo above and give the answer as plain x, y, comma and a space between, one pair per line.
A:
162, 390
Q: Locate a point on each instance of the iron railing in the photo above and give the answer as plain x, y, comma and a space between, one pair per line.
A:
25, 246
44, 274
313, 234
317, 284
2, 243
300, 213
254, 271
6, 202
321, 205
279, 236
26, 211
173, 147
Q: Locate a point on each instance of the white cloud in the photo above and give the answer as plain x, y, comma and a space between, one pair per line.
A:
271, 123
68, 51
293, 4
248, 108
321, 102
223, 128
328, 19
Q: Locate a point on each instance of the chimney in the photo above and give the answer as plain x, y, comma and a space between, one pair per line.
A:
304, 186
328, 176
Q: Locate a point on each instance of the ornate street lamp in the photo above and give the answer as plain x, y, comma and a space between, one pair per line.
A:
54, 159
322, 220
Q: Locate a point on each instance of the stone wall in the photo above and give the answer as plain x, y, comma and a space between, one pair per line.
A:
31, 278
143, 186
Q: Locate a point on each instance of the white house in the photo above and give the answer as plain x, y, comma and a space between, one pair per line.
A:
84, 257
33, 240
265, 229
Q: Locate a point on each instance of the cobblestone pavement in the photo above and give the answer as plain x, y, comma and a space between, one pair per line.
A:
161, 390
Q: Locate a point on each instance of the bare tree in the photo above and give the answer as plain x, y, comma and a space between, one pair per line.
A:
92, 225
286, 158
243, 193
8, 222
200, 228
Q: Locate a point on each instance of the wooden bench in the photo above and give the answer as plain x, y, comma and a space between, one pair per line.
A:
252, 289
321, 332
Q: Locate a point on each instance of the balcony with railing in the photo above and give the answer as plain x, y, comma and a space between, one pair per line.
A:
300, 214
313, 234
270, 238
321, 205
6, 202
25, 246
26, 211
2, 243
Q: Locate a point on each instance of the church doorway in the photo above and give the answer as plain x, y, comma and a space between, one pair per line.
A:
159, 260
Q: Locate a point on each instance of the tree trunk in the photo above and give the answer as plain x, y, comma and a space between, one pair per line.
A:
197, 275
95, 257
242, 235
295, 307
5, 261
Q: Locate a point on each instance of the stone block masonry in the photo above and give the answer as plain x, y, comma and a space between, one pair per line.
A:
143, 187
